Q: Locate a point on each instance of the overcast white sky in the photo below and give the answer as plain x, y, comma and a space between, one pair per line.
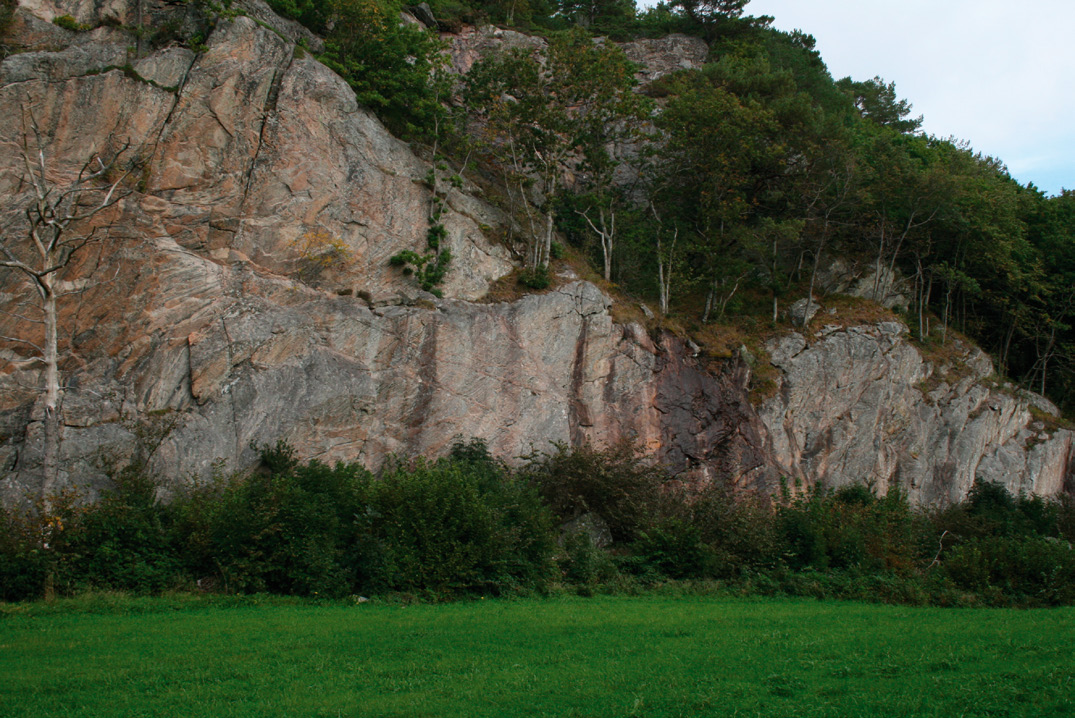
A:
998, 73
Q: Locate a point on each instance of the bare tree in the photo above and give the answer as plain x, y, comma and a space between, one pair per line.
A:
665, 263
52, 238
606, 230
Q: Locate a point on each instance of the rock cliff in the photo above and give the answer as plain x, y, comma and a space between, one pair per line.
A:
862, 404
209, 301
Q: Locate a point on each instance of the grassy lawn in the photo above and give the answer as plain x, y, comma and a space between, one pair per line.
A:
605, 656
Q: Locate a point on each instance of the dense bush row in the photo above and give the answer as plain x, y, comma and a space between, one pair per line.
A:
467, 524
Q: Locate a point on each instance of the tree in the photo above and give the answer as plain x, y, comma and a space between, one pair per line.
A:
393, 67
54, 236
877, 101
546, 119
828, 192
737, 136
597, 13
711, 10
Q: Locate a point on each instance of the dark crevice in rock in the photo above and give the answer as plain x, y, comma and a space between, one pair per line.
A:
427, 386
268, 114
577, 412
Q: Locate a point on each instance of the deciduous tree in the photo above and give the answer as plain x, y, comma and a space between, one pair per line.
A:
546, 117
55, 232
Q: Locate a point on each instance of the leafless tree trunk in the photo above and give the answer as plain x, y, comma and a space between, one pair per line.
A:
50, 244
664, 265
606, 231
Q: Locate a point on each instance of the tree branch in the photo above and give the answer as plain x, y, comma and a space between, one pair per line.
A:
22, 341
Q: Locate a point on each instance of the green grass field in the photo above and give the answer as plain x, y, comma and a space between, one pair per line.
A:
604, 656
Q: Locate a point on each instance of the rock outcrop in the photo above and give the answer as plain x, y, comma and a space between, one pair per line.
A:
861, 404
658, 57
243, 294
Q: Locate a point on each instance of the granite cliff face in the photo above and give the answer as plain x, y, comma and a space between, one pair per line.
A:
862, 404
208, 304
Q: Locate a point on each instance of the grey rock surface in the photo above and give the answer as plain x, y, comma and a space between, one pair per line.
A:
860, 404
661, 56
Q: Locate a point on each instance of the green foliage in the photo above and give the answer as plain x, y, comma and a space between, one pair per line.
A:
7, 15
544, 118
537, 278
314, 14
1003, 568
285, 529
459, 525
674, 548
69, 23
615, 483
468, 524
877, 102
25, 564
428, 269
851, 530
614, 18
711, 10
393, 67
585, 564
740, 530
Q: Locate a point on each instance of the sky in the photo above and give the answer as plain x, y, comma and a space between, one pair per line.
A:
999, 74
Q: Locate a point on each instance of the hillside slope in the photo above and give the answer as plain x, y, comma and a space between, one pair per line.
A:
210, 305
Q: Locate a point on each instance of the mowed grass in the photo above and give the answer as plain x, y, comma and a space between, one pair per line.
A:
603, 656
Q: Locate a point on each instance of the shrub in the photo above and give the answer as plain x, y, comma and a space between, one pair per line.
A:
740, 529
466, 523
1065, 517
124, 542
990, 510
460, 524
674, 548
1032, 569
25, 565
615, 483
584, 563
851, 529
537, 278
287, 529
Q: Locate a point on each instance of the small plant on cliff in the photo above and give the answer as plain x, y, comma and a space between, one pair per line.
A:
69, 23
429, 268
537, 278
318, 251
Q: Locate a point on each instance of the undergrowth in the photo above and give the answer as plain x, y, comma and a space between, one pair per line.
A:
582, 520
